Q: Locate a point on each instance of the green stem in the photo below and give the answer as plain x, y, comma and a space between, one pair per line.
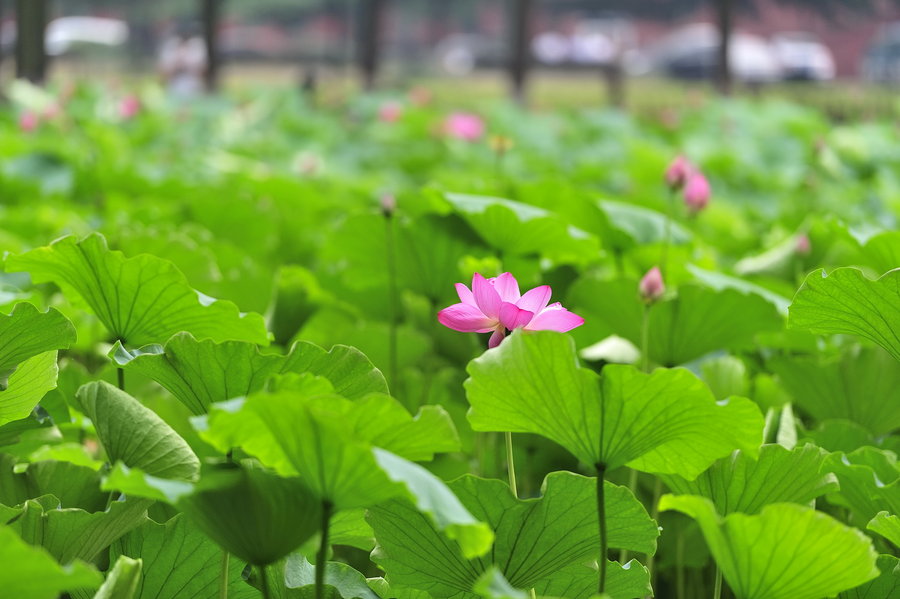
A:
601, 517
223, 577
510, 465
392, 298
667, 240
120, 372
264, 582
679, 566
717, 591
322, 555
645, 339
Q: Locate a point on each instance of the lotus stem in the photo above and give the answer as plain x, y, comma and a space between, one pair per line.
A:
120, 373
667, 236
223, 577
717, 591
390, 258
322, 555
645, 339
510, 465
601, 517
264, 582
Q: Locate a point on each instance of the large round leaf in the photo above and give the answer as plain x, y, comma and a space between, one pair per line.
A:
537, 540
847, 302
140, 300
135, 435
787, 551
665, 422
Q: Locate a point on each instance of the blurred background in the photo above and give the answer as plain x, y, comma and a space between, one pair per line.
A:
842, 54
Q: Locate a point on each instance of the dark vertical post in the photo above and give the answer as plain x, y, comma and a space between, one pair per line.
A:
725, 21
520, 46
370, 25
211, 12
31, 60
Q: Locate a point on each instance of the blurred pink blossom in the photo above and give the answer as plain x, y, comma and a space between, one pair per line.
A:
464, 125
803, 245
28, 121
129, 106
651, 286
696, 192
390, 112
678, 171
496, 305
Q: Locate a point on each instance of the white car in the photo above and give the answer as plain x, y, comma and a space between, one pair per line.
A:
803, 57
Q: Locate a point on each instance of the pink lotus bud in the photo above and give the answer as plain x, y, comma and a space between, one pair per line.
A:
696, 192
129, 106
651, 286
28, 121
677, 172
388, 204
390, 112
802, 245
465, 126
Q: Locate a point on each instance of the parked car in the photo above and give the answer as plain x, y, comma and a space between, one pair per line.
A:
692, 52
881, 63
803, 57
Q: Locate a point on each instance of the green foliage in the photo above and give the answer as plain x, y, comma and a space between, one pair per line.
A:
784, 551
665, 422
845, 301
527, 551
140, 300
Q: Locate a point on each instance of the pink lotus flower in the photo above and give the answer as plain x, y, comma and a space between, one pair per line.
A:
496, 305
390, 112
696, 192
465, 126
651, 286
803, 245
129, 106
28, 121
678, 171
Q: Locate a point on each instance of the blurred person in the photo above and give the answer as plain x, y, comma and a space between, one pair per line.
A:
183, 62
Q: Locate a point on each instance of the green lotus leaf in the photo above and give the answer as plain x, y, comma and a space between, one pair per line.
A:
870, 482
629, 225
71, 533
848, 302
27, 385
122, 581
199, 373
664, 422
860, 386
886, 586
520, 229
135, 435
695, 322
535, 538
341, 580
140, 300
253, 514
30, 572
741, 484
335, 448
887, 525
25, 333
787, 551
180, 561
